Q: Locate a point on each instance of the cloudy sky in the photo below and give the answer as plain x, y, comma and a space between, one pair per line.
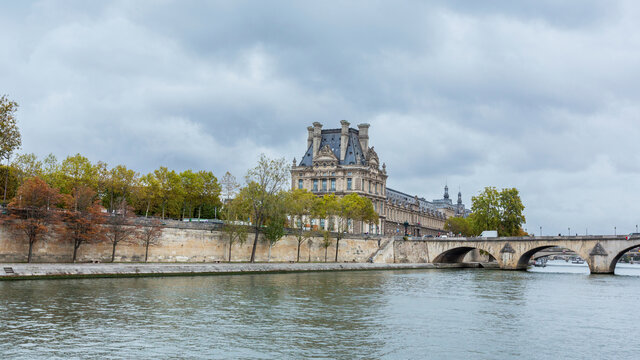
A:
539, 95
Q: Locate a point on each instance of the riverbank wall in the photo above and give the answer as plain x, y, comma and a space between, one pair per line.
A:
198, 243
23, 271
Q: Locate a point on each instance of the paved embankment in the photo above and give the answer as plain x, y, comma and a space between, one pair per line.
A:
23, 271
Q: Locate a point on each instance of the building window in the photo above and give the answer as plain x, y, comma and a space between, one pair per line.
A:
369, 186
333, 184
375, 188
324, 184
362, 185
321, 223
315, 184
348, 183
299, 183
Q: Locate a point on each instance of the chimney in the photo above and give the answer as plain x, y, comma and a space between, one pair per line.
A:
317, 137
310, 137
344, 139
363, 136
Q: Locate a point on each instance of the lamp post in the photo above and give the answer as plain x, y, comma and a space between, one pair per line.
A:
406, 226
568, 231
615, 231
636, 228
540, 230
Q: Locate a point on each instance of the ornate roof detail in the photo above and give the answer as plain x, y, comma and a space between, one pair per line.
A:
372, 158
325, 157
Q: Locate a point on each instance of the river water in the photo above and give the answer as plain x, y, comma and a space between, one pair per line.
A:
551, 313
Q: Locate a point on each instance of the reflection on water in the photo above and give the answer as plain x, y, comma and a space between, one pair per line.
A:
562, 266
392, 314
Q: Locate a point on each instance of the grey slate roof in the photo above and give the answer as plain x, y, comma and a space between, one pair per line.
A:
331, 137
402, 198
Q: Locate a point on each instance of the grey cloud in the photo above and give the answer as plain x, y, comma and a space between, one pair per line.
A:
540, 95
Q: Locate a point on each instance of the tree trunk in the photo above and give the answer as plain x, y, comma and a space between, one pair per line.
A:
113, 252
325, 254
199, 211
30, 251
269, 257
255, 244
146, 213
337, 244
6, 181
163, 211
230, 245
299, 242
146, 251
75, 251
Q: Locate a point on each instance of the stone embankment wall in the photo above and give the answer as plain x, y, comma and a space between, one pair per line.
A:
186, 245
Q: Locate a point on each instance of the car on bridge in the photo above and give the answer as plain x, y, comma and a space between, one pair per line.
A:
632, 235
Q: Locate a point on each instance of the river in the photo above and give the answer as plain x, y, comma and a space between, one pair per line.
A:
549, 313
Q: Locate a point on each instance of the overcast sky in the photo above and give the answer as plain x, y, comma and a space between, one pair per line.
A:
539, 95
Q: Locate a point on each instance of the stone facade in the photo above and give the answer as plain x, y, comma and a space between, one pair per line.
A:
340, 161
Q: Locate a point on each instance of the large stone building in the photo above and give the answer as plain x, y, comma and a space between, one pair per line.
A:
341, 161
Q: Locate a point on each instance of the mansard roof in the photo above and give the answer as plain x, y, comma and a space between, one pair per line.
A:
331, 138
398, 196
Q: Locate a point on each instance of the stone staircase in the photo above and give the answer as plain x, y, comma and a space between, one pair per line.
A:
384, 254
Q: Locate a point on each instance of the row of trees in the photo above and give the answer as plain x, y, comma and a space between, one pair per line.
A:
39, 209
79, 217
270, 208
492, 210
162, 192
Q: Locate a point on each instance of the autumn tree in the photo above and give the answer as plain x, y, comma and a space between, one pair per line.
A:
10, 138
121, 183
209, 195
150, 235
27, 166
119, 226
30, 213
300, 204
263, 184
83, 218
75, 171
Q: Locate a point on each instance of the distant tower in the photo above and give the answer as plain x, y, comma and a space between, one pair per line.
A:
446, 192
459, 198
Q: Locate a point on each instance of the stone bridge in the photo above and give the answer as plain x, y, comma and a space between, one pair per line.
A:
513, 253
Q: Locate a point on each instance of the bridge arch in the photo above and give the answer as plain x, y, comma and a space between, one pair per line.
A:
456, 254
523, 260
616, 258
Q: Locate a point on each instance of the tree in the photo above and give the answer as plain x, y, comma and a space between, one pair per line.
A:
499, 210
75, 171
486, 210
10, 138
326, 242
274, 231
232, 229
263, 184
30, 215
27, 166
121, 183
119, 227
150, 235
229, 186
511, 208
82, 222
350, 207
148, 192
209, 194
459, 225
300, 203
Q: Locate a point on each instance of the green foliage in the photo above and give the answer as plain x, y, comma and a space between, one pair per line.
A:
459, 225
498, 210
